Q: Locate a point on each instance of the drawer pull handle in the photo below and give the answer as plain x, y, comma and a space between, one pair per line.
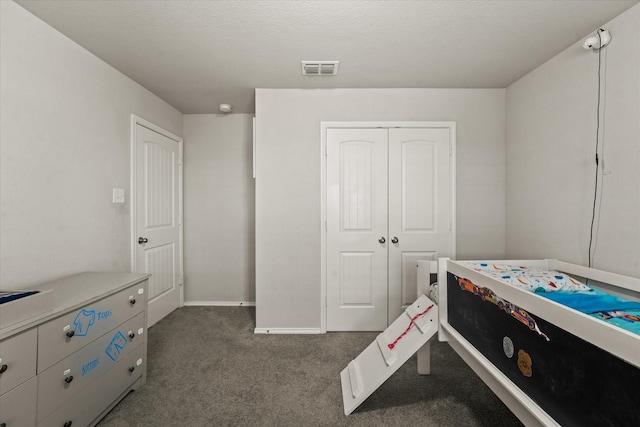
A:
68, 424
70, 333
132, 335
132, 301
2, 369
131, 369
68, 379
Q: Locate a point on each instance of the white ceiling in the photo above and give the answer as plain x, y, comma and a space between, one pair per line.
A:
198, 54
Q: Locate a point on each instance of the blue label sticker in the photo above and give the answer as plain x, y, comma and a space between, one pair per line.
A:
83, 321
90, 366
116, 345
104, 315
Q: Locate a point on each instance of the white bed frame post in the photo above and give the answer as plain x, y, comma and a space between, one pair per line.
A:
425, 269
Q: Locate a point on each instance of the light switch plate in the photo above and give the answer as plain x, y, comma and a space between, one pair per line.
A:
118, 195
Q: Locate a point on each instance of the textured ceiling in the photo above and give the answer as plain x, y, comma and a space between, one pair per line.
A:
198, 54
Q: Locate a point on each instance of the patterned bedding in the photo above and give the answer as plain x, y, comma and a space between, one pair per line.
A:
566, 290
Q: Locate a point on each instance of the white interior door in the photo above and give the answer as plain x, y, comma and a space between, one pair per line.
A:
356, 229
388, 206
157, 219
419, 208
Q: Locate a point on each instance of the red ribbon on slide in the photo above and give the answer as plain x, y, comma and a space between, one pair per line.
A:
413, 320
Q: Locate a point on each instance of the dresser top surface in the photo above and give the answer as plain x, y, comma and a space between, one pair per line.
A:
72, 292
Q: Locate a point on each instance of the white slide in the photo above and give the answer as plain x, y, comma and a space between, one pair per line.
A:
391, 349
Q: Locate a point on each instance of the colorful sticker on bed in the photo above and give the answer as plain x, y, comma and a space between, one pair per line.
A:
513, 310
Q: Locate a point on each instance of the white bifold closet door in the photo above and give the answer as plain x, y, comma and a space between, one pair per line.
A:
388, 206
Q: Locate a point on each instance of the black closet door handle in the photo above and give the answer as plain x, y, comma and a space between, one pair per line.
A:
2, 369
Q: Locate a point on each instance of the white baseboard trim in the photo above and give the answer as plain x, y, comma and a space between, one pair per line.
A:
220, 303
290, 331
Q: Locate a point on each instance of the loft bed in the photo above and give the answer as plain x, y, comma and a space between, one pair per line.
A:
549, 363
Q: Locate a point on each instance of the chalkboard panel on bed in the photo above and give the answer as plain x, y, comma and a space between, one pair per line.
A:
574, 381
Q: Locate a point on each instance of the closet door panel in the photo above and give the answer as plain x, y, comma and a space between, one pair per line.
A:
419, 207
356, 223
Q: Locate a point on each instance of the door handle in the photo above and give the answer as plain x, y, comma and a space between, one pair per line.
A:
382, 240
394, 240
142, 240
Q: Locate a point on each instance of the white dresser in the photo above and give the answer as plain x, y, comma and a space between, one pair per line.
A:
69, 365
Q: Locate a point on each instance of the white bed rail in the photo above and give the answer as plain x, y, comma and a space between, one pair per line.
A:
622, 343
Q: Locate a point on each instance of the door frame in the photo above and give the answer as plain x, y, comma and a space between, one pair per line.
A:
451, 125
135, 120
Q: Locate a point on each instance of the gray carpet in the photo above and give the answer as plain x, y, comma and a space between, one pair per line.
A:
207, 368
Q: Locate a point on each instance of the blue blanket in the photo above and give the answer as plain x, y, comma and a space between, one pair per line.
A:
591, 302
610, 308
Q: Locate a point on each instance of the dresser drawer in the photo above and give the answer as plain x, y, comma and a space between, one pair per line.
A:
65, 379
60, 337
18, 407
86, 406
18, 359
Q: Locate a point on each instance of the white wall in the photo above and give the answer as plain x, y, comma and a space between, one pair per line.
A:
219, 209
64, 145
551, 138
288, 182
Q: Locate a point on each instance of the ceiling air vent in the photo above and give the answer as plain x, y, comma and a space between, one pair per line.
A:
319, 68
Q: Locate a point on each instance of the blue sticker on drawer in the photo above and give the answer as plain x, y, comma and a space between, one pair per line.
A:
86, 318
118, 342
83, 322
90, 366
